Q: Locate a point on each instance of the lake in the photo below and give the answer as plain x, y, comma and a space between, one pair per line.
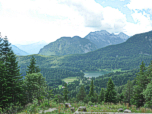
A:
95, 73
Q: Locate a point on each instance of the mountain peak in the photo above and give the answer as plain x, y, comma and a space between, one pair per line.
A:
123, 35
76, 37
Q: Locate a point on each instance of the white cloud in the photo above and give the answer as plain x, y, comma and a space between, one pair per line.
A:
140, 4
142, 19
36, 20
143, 23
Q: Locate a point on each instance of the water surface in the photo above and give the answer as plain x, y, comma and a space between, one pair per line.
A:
95, 73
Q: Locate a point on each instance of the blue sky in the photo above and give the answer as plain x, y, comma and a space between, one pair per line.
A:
28, 21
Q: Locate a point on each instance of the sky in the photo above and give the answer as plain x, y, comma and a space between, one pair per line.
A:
29, 21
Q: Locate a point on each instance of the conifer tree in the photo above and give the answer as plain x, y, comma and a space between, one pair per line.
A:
141, 83
1, 46
32, 68
49, 94
65, 92
14, 78
5, 49
3, 86
128, 92
82, 94
91, 92
148, 95
110, 95
5, 76
34, 82
102, 95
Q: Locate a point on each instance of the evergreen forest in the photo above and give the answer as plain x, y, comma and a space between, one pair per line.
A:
38, 83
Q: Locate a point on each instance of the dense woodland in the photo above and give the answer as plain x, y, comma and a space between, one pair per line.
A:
133, 87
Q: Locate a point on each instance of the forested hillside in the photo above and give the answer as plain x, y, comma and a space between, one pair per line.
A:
68, 45
133, 86
127, 56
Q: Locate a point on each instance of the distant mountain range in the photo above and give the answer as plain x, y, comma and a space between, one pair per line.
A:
78, 45
33, 48
126, 55
103, 38
68, 45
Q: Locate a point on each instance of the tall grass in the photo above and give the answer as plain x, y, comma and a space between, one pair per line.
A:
61, 109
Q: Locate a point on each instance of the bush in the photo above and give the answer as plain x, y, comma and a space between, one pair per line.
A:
86, 99
90, 103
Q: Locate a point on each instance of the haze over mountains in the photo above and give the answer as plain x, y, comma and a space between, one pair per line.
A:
78, 45
68, 45
32, 48
103, 38
126, 55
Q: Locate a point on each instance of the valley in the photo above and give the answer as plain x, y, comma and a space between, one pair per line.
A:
119, 63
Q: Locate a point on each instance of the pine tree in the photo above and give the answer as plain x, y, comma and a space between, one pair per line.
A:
110, 95
3, 86
5, 76
148, 73
34, 83
65, 92
1, 46
128, 92
102, 95
32, 68
14, 78
3, 82
91, 92
148, 95
5, 49
82, 94
49, 94
141, 83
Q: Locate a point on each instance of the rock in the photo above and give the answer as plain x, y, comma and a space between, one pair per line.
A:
120, 110
127, 111
72, 109
67, 105
82, 108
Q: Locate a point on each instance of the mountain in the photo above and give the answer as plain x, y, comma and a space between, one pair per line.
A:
127, 55
123, 36
68, 45
103, 38
33, 48
17, 51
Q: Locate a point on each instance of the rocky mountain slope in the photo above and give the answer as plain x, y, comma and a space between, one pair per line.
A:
68, 45
103, 38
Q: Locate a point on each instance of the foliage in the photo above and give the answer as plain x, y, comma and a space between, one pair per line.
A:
110, 95
91, 93
148, 95
82, 94
102, 95
65, 92
128, 92
86, 99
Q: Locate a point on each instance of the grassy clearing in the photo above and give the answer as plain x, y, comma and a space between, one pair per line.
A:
60, 86
119, 70
69, 79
